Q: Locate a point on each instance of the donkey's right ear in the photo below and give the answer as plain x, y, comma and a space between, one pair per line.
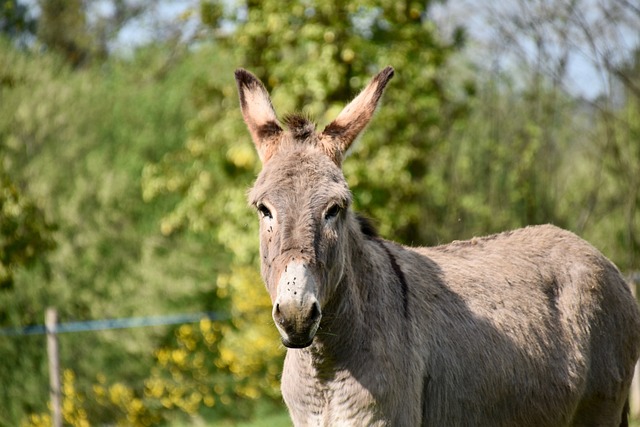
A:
258, 113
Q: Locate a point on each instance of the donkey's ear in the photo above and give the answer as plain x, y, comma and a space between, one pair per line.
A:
258, 113
340, 133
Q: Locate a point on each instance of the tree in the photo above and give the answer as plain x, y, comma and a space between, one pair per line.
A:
82, 31
314, 56
586, 132
339, 44
62, 28
15, 21
600, 34
75, 142
25, 234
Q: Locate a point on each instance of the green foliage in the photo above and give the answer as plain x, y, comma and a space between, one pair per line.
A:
25, 235
77, 142
316, 56
502, 164
605, 179
62, 28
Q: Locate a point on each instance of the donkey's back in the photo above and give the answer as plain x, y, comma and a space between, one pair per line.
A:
531, 327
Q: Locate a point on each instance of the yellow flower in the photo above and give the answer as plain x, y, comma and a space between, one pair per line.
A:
179, 356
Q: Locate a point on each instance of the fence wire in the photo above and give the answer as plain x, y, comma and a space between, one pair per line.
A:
120, 323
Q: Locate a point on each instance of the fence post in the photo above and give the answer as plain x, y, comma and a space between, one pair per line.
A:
50, 321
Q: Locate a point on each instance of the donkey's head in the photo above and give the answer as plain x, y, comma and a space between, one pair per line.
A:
303, 202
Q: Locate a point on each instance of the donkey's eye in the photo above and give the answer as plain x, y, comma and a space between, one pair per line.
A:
264, 211
332, 212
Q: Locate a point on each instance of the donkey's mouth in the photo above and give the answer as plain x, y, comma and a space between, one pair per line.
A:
297, 342
301, 336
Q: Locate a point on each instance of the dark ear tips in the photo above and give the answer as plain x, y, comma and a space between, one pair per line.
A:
258, 113
382, 78
244, 77
246, 80
386, 74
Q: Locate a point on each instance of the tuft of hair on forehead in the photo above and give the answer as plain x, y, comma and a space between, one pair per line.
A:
300, 125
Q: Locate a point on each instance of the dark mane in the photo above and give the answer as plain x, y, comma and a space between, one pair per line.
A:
367, 226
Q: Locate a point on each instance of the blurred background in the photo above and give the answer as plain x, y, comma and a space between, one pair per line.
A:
124, 164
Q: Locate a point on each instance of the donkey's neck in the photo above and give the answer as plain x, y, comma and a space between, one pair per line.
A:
341, 375
369, 295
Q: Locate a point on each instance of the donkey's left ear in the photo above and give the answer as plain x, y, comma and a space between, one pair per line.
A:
338, 136
258, 113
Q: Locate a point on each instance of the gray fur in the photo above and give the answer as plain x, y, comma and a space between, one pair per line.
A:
532, 327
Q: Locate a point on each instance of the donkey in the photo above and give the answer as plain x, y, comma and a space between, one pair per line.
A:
532, 327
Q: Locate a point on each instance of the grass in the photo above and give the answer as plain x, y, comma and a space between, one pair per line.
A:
274, 420
265, 417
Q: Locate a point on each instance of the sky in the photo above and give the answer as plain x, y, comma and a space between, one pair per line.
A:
169, 17
583, 78
163, 17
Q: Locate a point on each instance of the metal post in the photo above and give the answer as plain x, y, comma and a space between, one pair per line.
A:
50, 321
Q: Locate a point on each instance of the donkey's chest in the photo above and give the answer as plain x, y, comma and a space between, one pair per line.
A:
340, 400
360, 391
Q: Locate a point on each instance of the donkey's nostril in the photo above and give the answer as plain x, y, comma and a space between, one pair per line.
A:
277, 315
315, 312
